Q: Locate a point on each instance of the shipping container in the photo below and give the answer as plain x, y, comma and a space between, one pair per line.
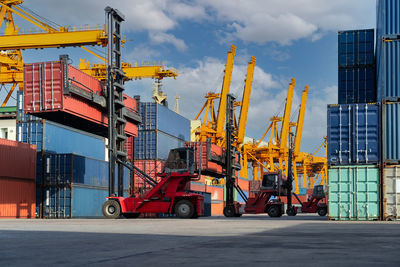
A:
209, 157
158, 117
129, 148
388, 17
353, 134
150, 168
388, 69
17, 160
66, 169
17, 197
76, 201
217, 207
391, 192
62, 93
357, 85
356, 47
155, 145
217, 192
353, 192
390, 132
197, 186
52, 137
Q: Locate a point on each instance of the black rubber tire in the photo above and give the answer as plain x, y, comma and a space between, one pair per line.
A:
238, 215
274, 211
131, 215
229, 212
389, 219
322, 211
184, 209
291, 211
111, 209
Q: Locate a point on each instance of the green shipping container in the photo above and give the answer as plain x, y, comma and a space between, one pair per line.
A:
353, 192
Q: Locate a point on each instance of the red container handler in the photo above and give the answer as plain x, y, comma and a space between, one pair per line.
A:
62, 93
209, 158
17, 179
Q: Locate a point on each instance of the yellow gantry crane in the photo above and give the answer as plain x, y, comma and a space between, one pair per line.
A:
273, 156
14, 40
11, 43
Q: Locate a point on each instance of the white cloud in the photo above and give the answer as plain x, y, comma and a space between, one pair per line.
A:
161, 37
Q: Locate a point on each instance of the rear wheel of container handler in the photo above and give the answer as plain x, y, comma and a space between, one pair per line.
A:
229, 211
184, 209
238, 215
111, 209
274, 211
322, 211
131, 215
291, 211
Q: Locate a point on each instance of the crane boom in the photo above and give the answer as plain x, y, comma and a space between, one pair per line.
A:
286, 118
244, 110
300, 121
224, 92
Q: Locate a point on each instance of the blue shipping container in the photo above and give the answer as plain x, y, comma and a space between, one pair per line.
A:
64, 169
56, 138
357, 85
155, 145
388, 17
158, 117
77, 201
390, 132
353, 134
21, 116
356, 48
388, 70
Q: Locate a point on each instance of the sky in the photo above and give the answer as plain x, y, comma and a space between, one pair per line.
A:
290, 39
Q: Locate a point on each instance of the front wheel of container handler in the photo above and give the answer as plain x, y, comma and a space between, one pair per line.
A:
184, 209
131, 215
111, 209
229, 211
322, 211
274, 211
291, 211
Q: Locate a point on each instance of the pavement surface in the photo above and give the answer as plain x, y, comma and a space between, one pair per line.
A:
214, 241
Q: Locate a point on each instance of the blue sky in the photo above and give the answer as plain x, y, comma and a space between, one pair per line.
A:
292, 38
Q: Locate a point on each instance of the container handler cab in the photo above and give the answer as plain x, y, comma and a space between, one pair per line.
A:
167, 196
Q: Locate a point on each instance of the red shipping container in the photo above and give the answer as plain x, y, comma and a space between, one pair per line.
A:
17, 198
149, 167
17, 160
211, 157
129, 147
64, 94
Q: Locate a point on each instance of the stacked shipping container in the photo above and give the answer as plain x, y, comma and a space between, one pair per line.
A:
388, 85
354, 132
17, 179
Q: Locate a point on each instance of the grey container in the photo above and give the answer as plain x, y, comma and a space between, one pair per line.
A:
391, 192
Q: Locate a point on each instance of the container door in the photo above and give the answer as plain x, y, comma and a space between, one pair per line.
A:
57, 202
339, 134
365, 135
366, 193
340, 193
391, 192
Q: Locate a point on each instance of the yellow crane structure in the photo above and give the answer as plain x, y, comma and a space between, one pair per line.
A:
273, 155
156, 71
13, 41
213, 123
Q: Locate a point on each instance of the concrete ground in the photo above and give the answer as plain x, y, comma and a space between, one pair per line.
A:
215, 241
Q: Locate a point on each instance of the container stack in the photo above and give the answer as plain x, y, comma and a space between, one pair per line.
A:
160, 131
354, 132
388, 87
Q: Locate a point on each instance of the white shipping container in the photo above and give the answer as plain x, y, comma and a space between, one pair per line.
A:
391, 192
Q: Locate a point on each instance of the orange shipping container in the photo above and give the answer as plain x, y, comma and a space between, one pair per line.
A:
217, 192
17, 198
217, 208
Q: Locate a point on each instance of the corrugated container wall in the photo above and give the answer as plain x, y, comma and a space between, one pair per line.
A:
353, 134
356, 63
391, 192
52, 137
388, 17
391, 132
158, 117
17, 179
356, 48
152, 144
353, 192
388, 70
